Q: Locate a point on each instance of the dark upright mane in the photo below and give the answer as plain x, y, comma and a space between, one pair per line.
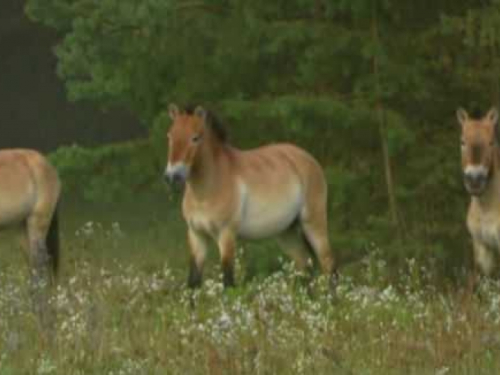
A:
213, 122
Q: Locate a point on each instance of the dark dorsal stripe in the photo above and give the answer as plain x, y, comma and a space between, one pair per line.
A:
213, 122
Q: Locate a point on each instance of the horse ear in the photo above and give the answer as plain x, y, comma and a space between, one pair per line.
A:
173, 111
200, 112
462, 115
492, 115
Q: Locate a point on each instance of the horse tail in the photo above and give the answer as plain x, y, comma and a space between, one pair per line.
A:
53, 241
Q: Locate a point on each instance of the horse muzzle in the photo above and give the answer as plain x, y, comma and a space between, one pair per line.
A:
475, 180
176, 174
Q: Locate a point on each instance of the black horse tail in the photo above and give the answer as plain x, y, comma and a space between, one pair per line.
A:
53, 242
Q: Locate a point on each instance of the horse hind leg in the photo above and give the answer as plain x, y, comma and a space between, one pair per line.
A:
37, 228
484, 258
314, 226
294, 245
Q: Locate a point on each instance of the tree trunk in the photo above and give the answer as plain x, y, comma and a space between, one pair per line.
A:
382, 128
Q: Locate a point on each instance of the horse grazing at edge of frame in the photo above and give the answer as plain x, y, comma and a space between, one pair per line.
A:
249, 193
29, 193
481, 173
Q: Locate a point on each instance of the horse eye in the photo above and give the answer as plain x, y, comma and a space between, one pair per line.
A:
196, 138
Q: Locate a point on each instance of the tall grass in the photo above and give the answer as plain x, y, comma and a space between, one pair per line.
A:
121, 307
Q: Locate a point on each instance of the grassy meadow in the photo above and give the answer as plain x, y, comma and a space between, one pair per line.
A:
121, 307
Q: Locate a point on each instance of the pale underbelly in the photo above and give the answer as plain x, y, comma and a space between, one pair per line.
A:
263, 217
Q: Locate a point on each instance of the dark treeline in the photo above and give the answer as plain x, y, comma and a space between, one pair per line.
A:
370, 87
34, 110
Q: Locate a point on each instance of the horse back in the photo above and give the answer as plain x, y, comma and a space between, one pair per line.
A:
279, 164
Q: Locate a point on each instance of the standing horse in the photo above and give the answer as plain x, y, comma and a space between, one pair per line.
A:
29, 192
481, 173
253, 194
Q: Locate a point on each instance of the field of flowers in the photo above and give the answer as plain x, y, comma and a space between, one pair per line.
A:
115, 314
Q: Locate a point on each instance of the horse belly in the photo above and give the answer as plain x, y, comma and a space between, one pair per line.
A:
266, 215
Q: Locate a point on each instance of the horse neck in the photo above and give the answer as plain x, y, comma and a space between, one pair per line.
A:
206, 170
491, 197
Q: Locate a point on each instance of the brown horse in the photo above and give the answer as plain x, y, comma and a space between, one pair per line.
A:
253, 194
481, 173
29, 192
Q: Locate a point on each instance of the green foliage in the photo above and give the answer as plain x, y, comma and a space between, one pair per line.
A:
110, 173
312, 73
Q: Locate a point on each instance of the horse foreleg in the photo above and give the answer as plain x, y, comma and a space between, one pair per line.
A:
484, 258
227, 246
198, 251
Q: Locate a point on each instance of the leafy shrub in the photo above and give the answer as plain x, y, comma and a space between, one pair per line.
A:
110, 172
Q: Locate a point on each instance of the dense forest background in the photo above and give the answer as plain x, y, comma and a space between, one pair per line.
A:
35, 111
370, 87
